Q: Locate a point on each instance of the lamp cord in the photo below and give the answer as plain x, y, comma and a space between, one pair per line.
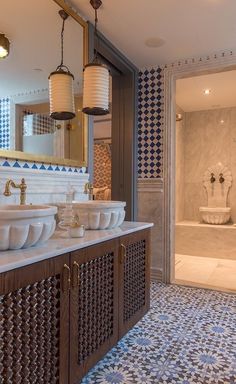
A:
96, 39
62, 43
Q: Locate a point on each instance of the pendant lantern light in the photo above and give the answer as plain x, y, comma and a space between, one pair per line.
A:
61, 88
4, 46
96, 79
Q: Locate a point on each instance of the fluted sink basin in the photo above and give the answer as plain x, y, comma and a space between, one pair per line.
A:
22, 226
97, 214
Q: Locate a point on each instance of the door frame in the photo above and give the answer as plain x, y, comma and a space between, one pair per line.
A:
124, 122
224, 61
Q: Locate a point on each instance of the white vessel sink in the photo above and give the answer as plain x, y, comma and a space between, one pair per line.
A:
97, 214
22, 226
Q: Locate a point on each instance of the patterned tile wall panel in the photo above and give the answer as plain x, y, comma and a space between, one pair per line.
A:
150, 123
18, 164
4, 123
37, 124
102, 165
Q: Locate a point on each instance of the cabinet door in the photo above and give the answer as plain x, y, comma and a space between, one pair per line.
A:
34, 329
134, 277
94, 305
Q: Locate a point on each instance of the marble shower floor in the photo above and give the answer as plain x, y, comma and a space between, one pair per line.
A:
205, 272
187, 337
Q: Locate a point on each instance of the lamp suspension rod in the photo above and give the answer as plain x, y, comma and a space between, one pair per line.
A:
64, 16
96, 4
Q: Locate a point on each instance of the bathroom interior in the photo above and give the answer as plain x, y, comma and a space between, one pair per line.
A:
117, 220
205, 181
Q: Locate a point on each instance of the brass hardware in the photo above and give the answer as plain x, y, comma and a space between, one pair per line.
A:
96, 4
212, 179
88, 189
123, 253
75, 281
66, 278
221, 178
22, 186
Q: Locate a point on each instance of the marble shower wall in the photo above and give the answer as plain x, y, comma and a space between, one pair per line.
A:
209, 138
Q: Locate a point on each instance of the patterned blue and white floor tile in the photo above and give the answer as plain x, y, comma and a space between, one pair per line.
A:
188, 337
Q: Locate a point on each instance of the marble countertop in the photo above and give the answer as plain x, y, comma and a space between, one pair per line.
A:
61, 243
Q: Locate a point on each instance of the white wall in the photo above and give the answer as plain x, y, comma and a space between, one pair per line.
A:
42, 186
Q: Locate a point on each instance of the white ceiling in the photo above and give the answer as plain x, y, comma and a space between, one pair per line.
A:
34, 28
188, 27
190, 91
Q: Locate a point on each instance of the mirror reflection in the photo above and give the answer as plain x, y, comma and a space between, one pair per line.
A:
34, 31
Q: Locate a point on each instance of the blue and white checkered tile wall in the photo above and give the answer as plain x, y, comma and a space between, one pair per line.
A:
37, 124
150, 123
4, 123
39, 166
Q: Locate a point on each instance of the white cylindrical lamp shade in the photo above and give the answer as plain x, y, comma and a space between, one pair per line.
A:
96, 89
61, 95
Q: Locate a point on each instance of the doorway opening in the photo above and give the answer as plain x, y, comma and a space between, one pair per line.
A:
205, 181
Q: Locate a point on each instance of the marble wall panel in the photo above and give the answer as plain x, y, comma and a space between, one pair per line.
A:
209, 138
191, 239
150, 209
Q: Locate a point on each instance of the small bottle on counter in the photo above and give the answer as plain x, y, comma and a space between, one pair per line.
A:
76, 229
70, 194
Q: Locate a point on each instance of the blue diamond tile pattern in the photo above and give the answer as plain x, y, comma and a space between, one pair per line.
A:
4, 123
150, 123
40, 167
187, 337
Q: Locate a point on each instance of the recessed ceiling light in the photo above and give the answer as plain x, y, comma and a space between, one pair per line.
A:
222, 121
207, 91
154, 42
37, 70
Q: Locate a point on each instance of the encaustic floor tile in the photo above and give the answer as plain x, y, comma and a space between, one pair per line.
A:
188, 337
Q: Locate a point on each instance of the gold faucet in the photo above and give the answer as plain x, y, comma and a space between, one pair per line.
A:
88, 189
22, 186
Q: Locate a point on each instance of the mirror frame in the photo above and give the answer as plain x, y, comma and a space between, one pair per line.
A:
52, 159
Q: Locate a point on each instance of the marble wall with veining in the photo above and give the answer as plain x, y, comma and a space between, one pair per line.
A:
209, 138
179, 159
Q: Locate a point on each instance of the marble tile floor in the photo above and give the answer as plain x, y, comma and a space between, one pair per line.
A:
205, 272
187, 337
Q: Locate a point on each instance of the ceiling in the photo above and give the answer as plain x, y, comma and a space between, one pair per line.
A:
190, 91
33, 28
189, 28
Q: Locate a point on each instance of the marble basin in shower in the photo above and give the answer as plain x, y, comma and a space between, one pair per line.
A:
215, 215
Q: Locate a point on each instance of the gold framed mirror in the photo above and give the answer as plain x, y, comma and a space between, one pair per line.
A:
26, 130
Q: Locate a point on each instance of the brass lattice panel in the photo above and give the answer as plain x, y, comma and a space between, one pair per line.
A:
29, 334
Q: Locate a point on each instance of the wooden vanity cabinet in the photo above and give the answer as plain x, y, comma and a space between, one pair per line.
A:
94, 306
111, 293
134, 279
34, 323
58, 317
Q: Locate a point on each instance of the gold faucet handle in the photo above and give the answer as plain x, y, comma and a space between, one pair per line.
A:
88, 187
23, 185
7, 191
